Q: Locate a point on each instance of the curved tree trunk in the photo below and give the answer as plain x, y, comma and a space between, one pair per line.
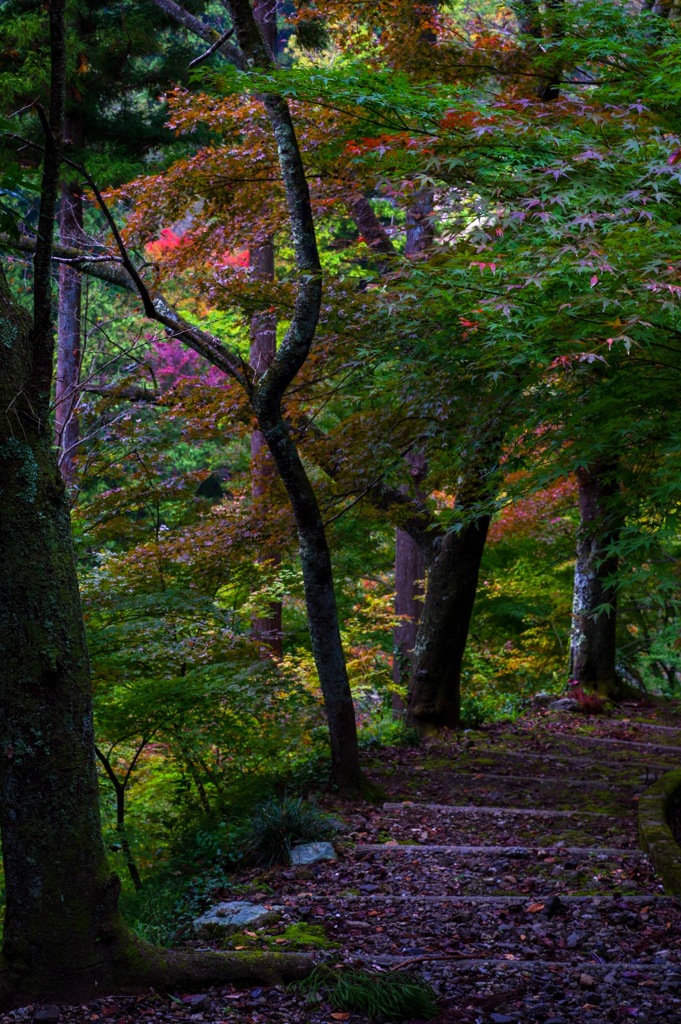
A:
267, 628
593, 644
267, 393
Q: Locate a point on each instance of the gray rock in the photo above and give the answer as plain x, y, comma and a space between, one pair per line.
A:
564, 704
310, 853
226, 918
47, 1015
198, 1002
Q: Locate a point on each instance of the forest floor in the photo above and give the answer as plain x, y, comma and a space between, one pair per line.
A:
503, 869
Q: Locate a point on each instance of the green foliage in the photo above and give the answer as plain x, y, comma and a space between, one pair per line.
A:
279, 824
395, 996
383, 730
162, 911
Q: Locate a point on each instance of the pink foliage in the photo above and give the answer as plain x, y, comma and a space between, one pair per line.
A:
172, 362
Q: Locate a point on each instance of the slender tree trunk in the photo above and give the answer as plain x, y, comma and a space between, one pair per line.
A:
593, 639
268, 628
410, 566
69, 322
320, 600
410, 570
267, 394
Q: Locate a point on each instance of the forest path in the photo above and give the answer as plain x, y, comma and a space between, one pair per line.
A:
505, 870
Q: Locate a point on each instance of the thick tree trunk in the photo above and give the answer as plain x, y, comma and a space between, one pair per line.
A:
63, 935
593, 638
61, 915
435, 691
453, 567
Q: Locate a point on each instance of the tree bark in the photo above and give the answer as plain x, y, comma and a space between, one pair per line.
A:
435, 690
593, 640
453, 567
69, 323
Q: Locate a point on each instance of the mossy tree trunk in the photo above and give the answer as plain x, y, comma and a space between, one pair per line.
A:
453, 562
593, 642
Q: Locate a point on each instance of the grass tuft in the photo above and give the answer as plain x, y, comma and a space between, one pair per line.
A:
277, 825
398, 996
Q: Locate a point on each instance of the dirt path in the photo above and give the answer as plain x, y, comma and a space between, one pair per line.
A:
503, 869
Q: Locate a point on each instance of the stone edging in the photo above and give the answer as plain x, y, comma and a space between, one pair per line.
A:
655, 835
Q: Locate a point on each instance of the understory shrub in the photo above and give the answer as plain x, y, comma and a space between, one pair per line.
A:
277, 825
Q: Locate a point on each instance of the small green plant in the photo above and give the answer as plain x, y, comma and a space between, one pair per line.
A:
277, 825
162, 911
386, 731
398, 996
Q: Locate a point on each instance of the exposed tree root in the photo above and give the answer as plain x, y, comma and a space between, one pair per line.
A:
143, 966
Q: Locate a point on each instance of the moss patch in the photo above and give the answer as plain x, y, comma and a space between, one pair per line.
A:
655, 836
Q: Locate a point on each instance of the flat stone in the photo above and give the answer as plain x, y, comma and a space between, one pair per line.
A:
47, 1015
310, 853
564, 704
226, 918
198, 1002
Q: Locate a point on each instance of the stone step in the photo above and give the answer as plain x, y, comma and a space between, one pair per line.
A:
416, 823
571, 931
398, 870
558, 794
545, 780
636, 724
633, 744
401, 962
582, 852
637, 746
391, 805
467, 759
517, 900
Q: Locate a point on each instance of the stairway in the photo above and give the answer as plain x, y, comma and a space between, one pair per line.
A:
505, 871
